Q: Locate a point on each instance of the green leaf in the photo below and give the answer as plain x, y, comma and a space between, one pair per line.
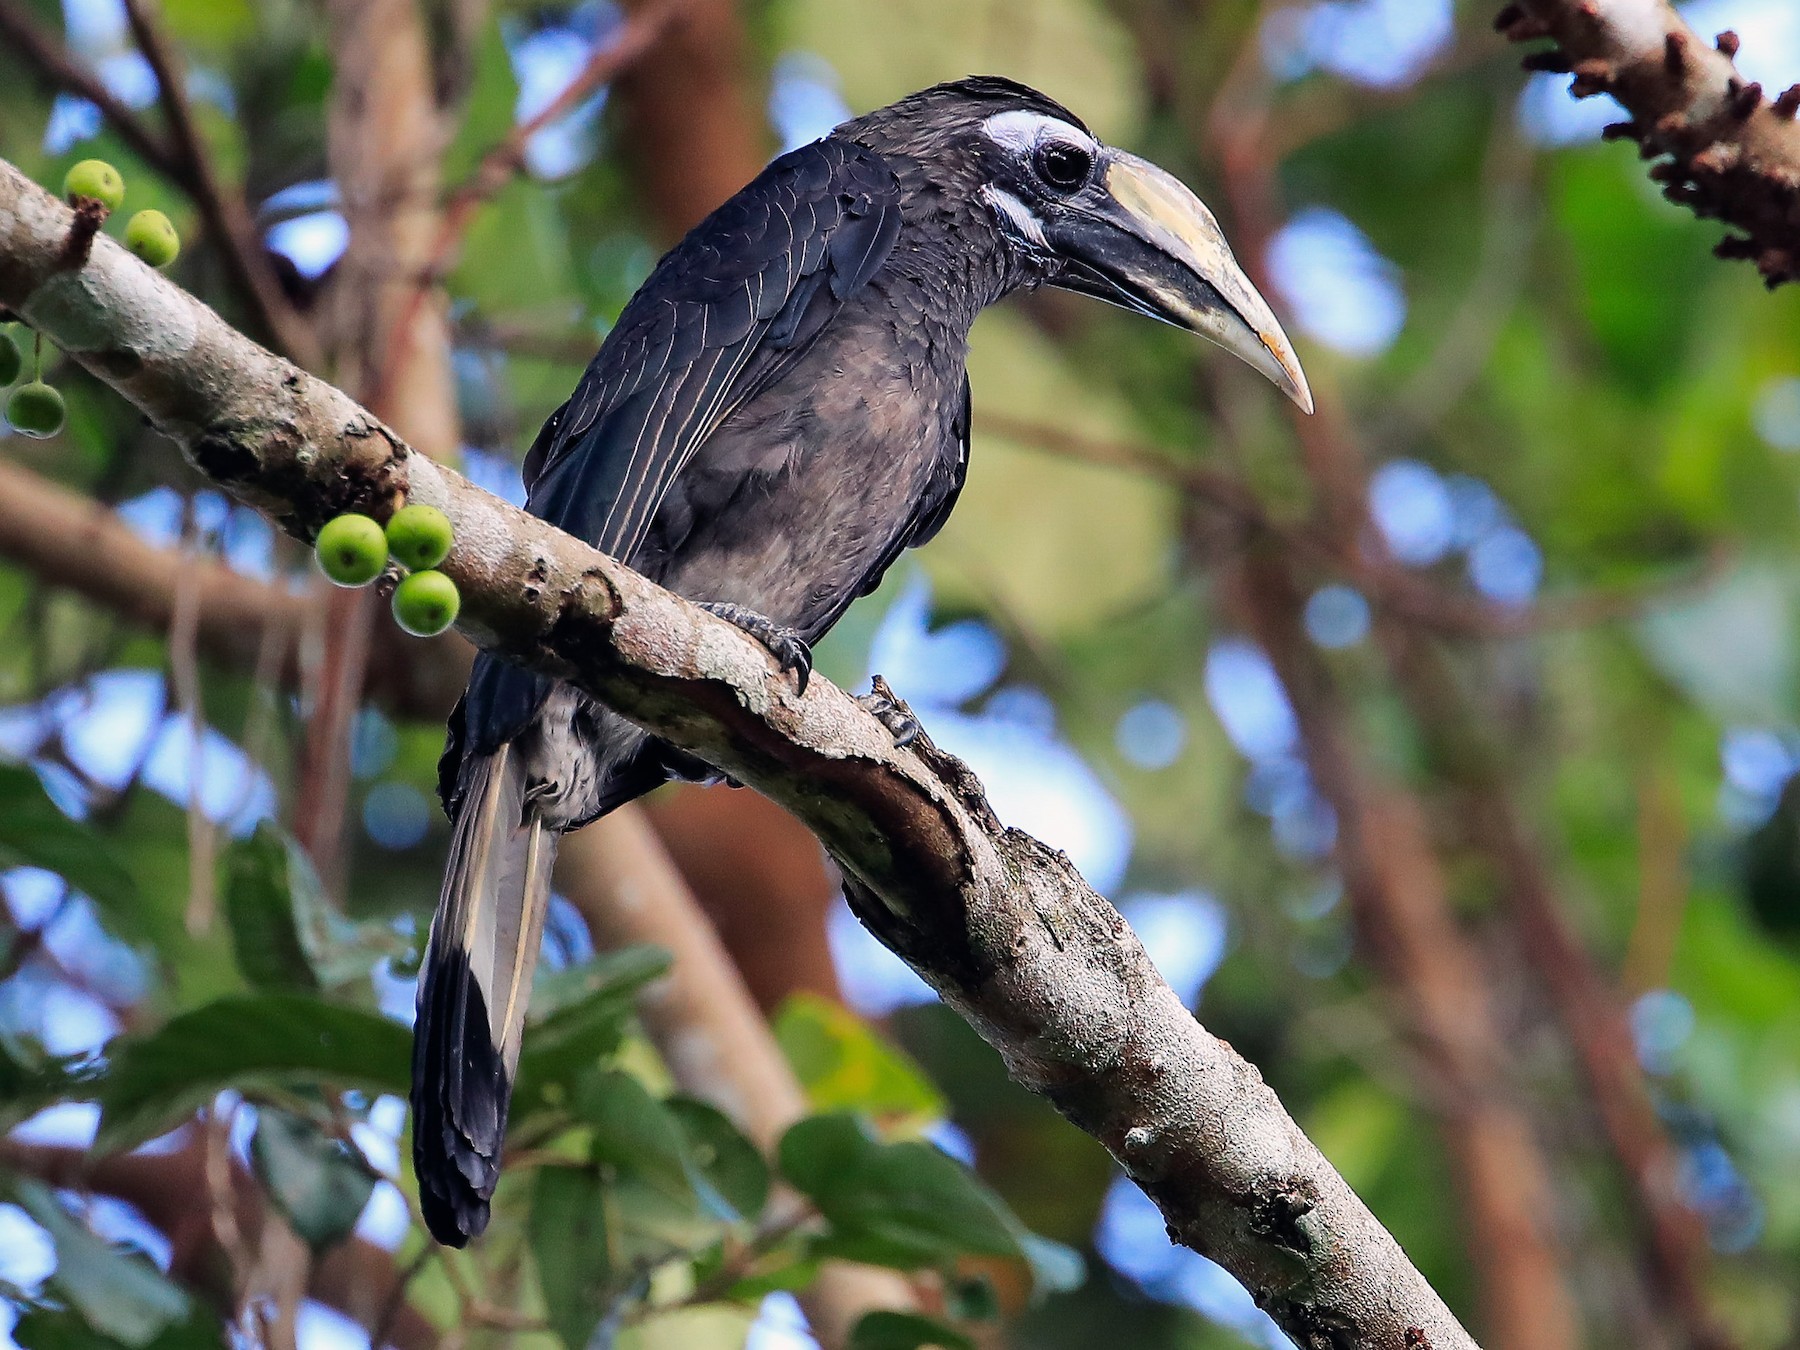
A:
65, 1329
30, 1081
119, 1296
262, 875
845, 1065
633, 1132
590, 1007
885, 1330
246, 1041
284, 932
57, 1329
319, 1183
905, 1205
656, 1209
569, 1241
972, 1299
727, 1169
33, 833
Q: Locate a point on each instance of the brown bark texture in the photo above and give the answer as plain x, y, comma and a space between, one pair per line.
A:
1723, 147
1000, 924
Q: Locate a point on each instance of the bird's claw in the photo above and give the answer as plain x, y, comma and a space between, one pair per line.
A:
881, 703
789, 649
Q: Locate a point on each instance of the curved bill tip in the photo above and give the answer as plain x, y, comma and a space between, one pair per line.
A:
1284, 369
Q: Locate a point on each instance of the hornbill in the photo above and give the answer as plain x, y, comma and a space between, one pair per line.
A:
779, 411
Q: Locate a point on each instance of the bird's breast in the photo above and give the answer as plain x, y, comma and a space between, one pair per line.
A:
801, 494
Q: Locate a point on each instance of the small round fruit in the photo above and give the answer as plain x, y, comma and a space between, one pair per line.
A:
12, 360
36, 409
97, 179
351, 550
150, 235
426, 603
419, 536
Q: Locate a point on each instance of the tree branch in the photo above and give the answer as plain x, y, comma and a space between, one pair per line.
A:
385, 136
225, 213
502, 163
1000, 924
1731, 153
50, 63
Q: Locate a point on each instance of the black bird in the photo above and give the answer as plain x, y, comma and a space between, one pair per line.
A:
781, 409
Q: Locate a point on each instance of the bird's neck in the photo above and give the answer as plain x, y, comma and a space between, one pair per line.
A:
950, 251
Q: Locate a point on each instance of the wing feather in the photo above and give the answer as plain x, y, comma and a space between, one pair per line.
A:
722, 315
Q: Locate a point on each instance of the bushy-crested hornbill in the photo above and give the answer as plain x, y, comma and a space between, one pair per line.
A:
779, 411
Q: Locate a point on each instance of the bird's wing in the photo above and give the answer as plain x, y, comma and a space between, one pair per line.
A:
723, 314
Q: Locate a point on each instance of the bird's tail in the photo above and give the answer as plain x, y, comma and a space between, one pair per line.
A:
477, 980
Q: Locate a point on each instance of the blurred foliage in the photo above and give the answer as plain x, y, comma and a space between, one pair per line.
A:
1573, 366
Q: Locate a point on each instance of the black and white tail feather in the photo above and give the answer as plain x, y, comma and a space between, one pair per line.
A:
476, 984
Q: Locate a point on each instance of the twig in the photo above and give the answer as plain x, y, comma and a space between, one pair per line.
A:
503, 161
226, 215
1409, 594
46, 58
73, 543
1396, 880
1334, 462
221, 1196
184, 679
1586, 1003
396, 1299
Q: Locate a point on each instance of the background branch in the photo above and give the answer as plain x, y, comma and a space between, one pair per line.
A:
224, 212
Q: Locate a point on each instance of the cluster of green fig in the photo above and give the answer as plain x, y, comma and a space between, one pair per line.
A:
36, 408
353, 550
149, 234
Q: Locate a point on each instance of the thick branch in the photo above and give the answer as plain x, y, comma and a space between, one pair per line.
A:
1731, 152
1000, 924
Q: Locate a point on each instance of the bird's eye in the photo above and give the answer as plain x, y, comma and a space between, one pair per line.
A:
1063, 166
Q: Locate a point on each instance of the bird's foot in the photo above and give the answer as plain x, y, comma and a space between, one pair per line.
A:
893, 714
785, 644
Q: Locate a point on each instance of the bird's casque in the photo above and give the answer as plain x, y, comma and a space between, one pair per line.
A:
780, 411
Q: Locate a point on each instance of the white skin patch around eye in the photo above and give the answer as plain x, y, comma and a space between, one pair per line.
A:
1019, 215
1024, 131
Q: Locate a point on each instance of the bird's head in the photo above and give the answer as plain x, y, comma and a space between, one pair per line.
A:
1084, 216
